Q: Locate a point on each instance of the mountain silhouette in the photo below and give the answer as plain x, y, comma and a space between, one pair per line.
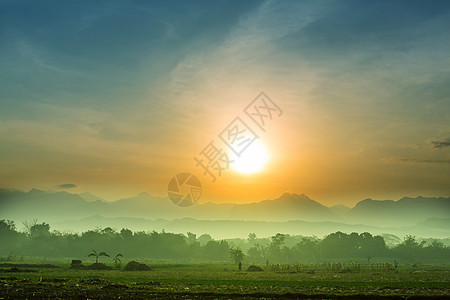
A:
405, 211
286, 207
57, 206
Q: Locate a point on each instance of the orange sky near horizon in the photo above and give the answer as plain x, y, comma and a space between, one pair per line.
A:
310, 159
118, 112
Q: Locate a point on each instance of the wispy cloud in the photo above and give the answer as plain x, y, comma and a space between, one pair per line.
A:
432, 161
68, 186
441, 143
245, 50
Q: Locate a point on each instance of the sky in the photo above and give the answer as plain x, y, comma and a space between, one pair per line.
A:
117, 97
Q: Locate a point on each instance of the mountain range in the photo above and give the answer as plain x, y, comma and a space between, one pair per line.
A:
290, 212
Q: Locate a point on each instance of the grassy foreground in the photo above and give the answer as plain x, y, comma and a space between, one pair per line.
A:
223, 281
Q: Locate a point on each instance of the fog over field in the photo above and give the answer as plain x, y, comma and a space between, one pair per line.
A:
290, 213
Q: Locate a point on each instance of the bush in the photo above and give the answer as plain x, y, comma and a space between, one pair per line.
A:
253, 268
136, 266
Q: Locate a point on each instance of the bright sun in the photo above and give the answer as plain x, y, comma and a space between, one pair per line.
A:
252, 160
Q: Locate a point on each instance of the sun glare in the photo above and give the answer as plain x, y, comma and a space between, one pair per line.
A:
252, 160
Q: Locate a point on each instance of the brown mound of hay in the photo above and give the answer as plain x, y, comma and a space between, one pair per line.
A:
76, 264
98, 266
253, 268
136, 266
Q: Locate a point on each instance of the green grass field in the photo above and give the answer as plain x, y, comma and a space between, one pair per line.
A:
225, 281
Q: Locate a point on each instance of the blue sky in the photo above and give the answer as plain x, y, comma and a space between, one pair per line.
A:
102, 94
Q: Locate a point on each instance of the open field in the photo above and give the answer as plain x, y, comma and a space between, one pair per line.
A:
224, 281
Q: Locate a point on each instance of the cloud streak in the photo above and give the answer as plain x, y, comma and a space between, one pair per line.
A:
68, 186
431, 161
440, 144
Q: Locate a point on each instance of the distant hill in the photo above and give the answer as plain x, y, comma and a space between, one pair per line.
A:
46, 205
406, 211
89, 197
340, 209
57, 206
60, 206
240, 229
438, 223
287, 207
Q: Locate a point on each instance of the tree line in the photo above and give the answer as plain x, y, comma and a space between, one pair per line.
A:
39, 241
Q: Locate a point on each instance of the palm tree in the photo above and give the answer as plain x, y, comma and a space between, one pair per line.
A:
237, 255
117, 260
94, 253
